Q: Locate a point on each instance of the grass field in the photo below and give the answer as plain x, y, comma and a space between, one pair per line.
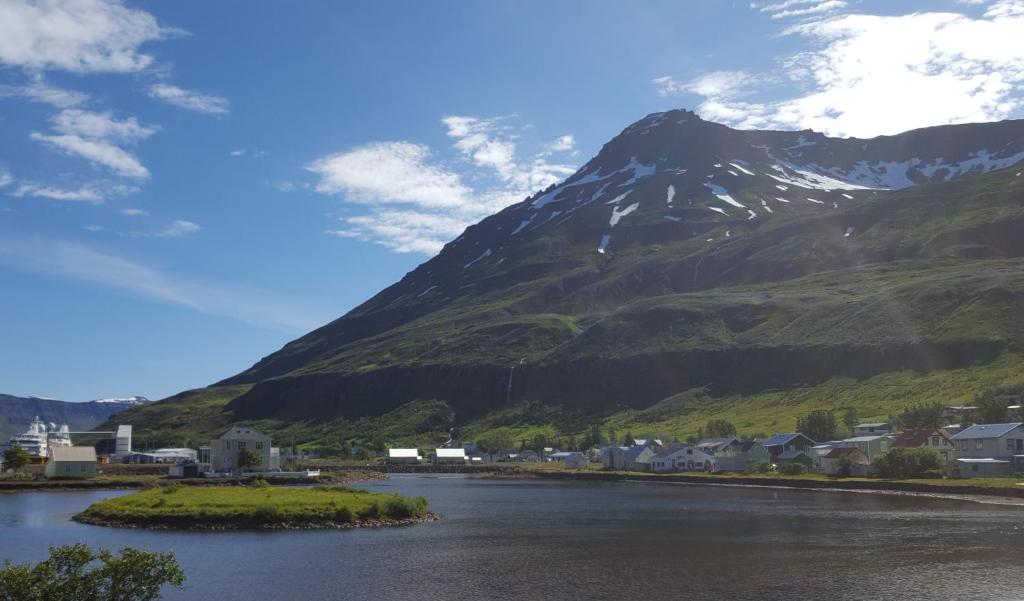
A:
252, 506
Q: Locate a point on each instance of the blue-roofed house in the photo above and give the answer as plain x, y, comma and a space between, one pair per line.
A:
990, 449
785, 447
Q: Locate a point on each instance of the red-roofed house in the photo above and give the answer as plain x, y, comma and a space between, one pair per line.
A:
932, 438
833, 462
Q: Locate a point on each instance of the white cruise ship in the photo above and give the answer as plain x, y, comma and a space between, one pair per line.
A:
40, 437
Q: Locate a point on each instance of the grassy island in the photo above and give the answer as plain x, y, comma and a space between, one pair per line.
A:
257, 507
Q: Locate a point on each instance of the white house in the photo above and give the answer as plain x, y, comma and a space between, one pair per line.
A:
990, 449
450, 456
224, 451
733, 454
71, 462
871, 446
408, 456
571, 459
679, 458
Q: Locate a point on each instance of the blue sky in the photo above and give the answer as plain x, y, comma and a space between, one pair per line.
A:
186, 186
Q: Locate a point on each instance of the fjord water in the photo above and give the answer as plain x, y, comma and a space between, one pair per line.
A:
526, 539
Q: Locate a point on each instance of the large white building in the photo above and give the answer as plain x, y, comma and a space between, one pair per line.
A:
224, 451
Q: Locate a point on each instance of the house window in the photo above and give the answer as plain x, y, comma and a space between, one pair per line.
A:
227, 445
935, 441
1009, 444
241, 445
979, 445
259, 445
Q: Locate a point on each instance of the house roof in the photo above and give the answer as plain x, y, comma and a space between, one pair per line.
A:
781, 439
632, 452
746, 445
986, 431
983, 460
915, 437
672, 450
865, 438
73, 454
842, 452
873, 425
458, 453
403, 453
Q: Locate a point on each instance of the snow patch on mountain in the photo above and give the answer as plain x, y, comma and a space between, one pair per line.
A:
670, 194
723, 195
605, 239
617, 214
483, 255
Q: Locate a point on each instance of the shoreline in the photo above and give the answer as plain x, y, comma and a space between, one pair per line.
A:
139, 484
976, 494
247, 525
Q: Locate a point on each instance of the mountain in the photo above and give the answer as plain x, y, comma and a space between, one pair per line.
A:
17, 412
688, 271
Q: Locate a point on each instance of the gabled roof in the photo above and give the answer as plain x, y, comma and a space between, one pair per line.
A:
73, 454
632, 452
403, 453
781, 439
869, 438
873, 425
458, 453
914, 437
671, 450
842, 452
986, 431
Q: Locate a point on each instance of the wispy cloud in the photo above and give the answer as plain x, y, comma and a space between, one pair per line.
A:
94, 192
83, 36
802, 8
190, 99
866, 75
130, 212
417, 201
6, 178
79, 262
177, 229
38, 90
97, 137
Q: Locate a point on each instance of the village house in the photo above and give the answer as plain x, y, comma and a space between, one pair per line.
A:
871, 446
403, 456
682, 457
788, 448
817, 454
733, 454
832, 463
450, 456
932, 438
990, 449
872, 429
224, 451
571, 459
632, 459
71, 462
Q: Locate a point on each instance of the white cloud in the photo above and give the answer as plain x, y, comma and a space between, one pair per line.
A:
133, 212
76, 35
94, 193
868, 75
177, 229
92, 136
389, 173
82, 263
420, 203
6, 178
190, 99
38, 90
237, 152
562, 144
803, 8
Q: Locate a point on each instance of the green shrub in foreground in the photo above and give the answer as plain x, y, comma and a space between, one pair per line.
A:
793, 469
909, 463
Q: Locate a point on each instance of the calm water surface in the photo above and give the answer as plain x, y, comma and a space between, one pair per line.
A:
527, 540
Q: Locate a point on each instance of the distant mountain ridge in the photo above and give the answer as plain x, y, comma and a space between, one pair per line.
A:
685, 259
17, 412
